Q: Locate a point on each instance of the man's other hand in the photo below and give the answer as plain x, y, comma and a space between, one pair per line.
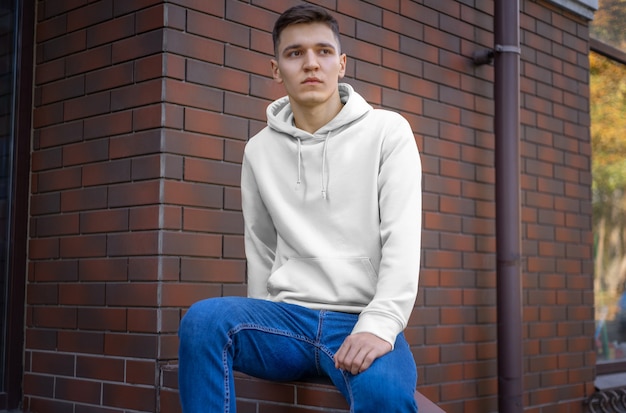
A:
358, 352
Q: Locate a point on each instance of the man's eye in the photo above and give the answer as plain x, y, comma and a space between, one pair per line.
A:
294, 53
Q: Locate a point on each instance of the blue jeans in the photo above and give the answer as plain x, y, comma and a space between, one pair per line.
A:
281, 342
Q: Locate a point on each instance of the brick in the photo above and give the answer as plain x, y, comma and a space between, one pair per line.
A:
214, 270
83, 246
62, 89
183, 295
85, 152
121, 8
134, 243
140, 143
192, 244
138, 46
109, 78
39, 385
142, 320
234, 247
59, 179
193, 144
64, 45
102, 319
42, 294
134, 194
91, 59
233, 151
247, 61
369, 32
49, 405
377, 75
100, 368
152, 269
129, 397
139, 94
49, 71
156, 218
173, 116
213, 221
193, 194
141, 372
104, 221
102, 269
54, 317
44, 248
245, 106
47, 271
110, 31
250, 16
46, 159
192, 95
77, 390
150, 18
45, 204
57, 225
87, 106
215, 28
216, 124
192, 46
147, 117
108, 125
48, 115
130, 345
131, 295
82, 294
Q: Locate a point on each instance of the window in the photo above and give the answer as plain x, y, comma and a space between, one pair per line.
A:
608, 141
7, 99
16, 71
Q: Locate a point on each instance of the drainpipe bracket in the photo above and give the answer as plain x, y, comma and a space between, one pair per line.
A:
483, 57
508, 49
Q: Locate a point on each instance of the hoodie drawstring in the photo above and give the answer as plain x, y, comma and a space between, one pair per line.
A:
324, 152
324, 166
299, 164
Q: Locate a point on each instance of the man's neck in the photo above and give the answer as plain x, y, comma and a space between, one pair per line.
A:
312, 118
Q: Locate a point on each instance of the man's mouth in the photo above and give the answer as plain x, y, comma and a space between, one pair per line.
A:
310, 80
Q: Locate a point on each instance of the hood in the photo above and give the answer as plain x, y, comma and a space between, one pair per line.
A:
280, 116
280, 119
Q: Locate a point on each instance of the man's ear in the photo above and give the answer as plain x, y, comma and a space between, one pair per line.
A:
276, 71
342, 65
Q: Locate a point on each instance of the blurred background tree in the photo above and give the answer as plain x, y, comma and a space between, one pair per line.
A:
609, 23
608, 143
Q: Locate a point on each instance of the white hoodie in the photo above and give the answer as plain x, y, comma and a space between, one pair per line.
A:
333, 219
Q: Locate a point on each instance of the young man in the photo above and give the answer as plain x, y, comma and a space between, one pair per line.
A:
331, 197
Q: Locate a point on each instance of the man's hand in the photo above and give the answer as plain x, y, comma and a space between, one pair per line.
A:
358, 352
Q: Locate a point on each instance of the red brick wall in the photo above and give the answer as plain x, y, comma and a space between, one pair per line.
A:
142, 110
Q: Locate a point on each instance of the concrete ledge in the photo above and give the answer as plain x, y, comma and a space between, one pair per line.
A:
256, 395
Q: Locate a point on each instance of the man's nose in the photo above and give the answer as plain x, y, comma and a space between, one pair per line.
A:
310, 60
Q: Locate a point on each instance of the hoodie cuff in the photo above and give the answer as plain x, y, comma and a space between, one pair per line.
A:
380, 325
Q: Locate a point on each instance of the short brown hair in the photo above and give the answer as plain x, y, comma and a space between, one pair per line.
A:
303, 13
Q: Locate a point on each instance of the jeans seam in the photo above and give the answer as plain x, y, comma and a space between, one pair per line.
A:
249, 326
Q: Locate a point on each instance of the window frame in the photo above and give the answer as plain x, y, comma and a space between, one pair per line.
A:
615, 54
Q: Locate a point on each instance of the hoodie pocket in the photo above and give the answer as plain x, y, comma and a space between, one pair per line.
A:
334, 281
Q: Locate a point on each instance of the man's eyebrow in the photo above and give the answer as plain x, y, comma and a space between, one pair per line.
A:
299, 46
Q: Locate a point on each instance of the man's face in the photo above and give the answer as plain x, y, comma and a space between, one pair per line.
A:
309, 63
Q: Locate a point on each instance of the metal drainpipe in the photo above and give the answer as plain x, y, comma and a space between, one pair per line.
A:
508, 216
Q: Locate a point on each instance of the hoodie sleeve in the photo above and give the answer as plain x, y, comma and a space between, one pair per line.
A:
400, 206
259, 234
